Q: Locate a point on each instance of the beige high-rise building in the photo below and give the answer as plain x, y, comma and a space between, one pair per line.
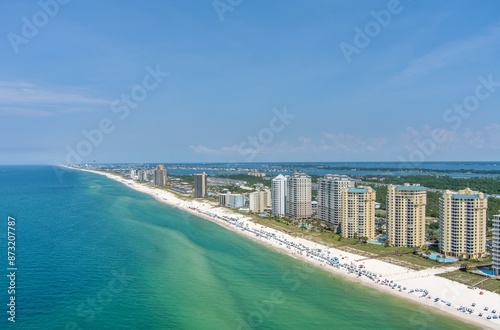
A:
259, 201
406, 215
495, 251
462, 224
298, 196
357, 212
329, 206
160, 176
200, 185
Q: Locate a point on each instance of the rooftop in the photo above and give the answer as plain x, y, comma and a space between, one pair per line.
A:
357, 190
465, 196
411, 188
337, 177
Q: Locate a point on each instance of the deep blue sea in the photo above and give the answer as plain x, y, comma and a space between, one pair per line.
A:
94, 254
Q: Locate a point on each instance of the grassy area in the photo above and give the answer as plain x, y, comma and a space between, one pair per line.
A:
469, 278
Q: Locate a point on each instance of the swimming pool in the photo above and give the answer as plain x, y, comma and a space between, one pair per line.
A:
434, 256
486, 270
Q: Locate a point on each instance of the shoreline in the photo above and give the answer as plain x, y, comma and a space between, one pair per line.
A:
383, 276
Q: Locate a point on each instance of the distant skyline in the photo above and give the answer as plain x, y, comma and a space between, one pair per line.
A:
249, 81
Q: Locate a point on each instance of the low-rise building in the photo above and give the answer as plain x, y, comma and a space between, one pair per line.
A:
257, 174
232, 200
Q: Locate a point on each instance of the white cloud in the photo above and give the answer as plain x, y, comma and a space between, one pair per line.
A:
219, 151
486, 138
448, 54
201, 149
329, 142
351, 143
23, 112
27, 99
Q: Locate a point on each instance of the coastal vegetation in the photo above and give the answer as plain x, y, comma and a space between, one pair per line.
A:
334, 168
472, 279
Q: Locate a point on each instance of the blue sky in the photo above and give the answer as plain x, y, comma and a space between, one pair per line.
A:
249, 81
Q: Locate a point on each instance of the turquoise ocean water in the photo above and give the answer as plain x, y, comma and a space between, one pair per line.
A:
94, 254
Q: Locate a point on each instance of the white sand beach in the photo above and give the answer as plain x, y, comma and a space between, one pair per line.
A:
422, 287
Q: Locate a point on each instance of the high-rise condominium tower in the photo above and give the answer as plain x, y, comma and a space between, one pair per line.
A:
160, 175
278, 195
495, 251
406, 215
298, 201
329, 197
462, 224
358, 212
200, 185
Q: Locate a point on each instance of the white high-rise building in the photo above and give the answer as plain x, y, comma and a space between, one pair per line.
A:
142, 175
278, 195
495, 252
462, 224
259, 201
298, 196
329, 206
